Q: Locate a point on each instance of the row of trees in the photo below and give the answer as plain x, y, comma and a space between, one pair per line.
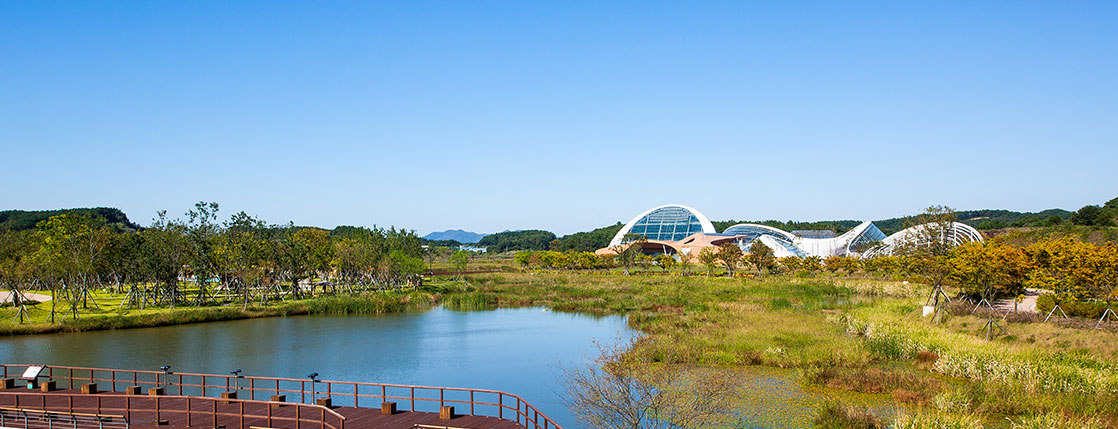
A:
200, 261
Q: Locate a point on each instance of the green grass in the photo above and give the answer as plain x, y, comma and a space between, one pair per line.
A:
105, 318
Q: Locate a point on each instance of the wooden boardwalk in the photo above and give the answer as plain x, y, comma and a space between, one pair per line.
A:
205, 412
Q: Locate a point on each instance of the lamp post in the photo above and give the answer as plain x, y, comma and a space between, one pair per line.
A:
312, 376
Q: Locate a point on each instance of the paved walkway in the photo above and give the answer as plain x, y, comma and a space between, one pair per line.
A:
1027, 305
6, 296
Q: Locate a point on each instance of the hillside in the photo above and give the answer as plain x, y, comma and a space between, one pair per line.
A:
587, 241
517, 240
18, 220
455, 235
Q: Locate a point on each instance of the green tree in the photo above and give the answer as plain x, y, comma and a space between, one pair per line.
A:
524, 258
665, 261
730, 255
166, 249
709, 258
203, 231
627, 252
241, 253
17, 268
1092, 216
928, 246
69, 247
686, 258
459, 260
761, 257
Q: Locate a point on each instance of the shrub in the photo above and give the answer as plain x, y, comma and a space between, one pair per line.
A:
1090, 310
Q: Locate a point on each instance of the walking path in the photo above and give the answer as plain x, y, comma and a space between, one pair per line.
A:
6, 296
1027, 305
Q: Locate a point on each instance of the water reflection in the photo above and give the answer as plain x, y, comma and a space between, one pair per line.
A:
514, 350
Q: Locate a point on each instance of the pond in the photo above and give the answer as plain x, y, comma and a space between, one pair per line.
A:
514, 350
518, 351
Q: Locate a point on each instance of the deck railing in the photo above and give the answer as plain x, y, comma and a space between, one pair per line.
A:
34, 419
481, 402
193, 410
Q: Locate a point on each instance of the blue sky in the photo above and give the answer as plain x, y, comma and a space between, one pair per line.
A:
563, 116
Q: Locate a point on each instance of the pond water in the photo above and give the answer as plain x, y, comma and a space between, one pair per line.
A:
518, 351
514, 350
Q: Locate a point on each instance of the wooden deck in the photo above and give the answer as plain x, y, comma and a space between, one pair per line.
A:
140, 410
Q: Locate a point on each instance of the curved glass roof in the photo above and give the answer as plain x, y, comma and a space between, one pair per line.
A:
670, 223
870, 236
753, 231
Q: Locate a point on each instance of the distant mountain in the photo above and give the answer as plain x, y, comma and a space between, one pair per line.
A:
23, 219
456, 235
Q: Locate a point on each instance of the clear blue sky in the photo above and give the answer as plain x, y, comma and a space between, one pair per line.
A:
557, 115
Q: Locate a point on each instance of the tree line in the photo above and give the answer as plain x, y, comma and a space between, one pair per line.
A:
199, 261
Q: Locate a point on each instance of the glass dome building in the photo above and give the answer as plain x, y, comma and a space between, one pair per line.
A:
676, 228
672, 222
